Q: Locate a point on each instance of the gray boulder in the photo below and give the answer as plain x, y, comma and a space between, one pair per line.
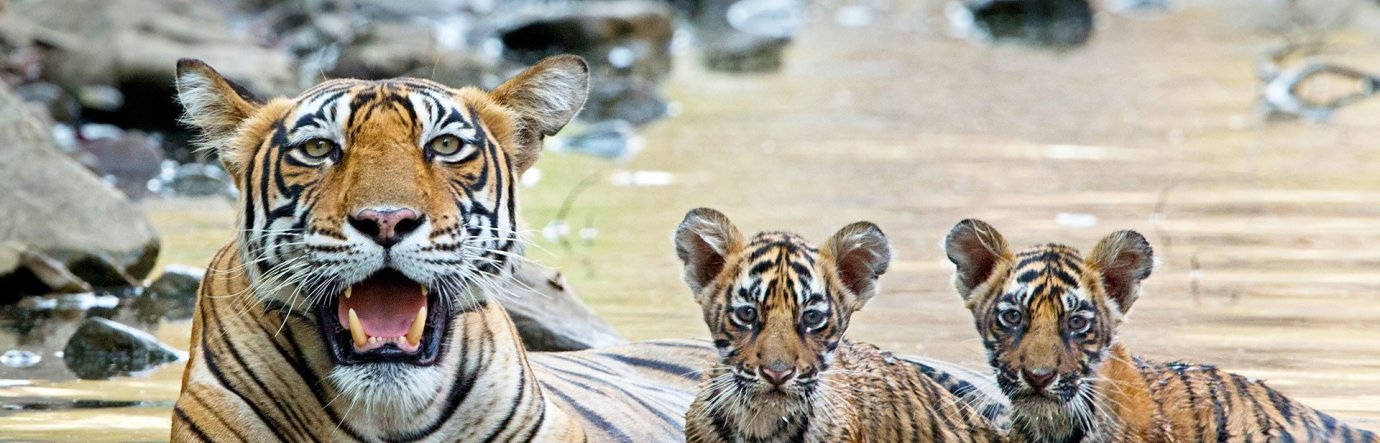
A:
178, 282
117, 56
56, 208
731, 39
101, 349
128, 160
384, 49
627, 44
115, 41
35, 272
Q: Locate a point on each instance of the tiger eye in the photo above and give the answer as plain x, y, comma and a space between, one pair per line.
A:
745, 314
813, 319
444, 145
1079, 324
318, 147
1010, 318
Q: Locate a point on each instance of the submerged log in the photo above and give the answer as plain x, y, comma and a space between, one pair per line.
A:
549, 315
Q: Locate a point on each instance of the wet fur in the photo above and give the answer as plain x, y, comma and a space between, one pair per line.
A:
258, 368
845, 391
1102, 392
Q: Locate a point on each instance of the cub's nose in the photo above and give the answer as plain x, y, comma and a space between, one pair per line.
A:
777, 376
1038, 378
386, 227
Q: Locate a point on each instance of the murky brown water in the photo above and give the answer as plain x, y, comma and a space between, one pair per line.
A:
1149, 127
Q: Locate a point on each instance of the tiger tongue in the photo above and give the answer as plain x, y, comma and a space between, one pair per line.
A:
386, 304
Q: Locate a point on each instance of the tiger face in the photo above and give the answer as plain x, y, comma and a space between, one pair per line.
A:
1046, 315
380, 209
777, 306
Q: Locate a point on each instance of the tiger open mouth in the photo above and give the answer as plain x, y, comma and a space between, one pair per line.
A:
385, 318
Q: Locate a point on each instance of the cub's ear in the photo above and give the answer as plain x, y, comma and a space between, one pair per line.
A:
975, 247
1123, 259
703, 242
215, 106
860, 253
545, 97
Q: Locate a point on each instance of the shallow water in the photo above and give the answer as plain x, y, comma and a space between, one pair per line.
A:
1148, 127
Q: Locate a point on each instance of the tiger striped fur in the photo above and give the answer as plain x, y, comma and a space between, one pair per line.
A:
400, 192
777, 309
1048, 318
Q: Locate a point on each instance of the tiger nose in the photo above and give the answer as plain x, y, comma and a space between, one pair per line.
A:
777, 374
386, 227
1038, 378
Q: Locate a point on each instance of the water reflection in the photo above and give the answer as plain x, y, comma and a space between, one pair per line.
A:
42, 327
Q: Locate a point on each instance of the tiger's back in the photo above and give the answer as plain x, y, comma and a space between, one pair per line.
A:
1205, 403
648, 382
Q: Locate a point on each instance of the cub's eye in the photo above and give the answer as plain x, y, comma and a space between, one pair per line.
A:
318, 148
1079, 324
1009, 318
444, 145
745, 314
813, 319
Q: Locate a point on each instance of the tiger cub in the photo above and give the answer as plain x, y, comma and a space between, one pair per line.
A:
777, 308
1048, 318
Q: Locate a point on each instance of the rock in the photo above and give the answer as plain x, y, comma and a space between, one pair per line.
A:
627, 44
611, 139
744, 53
54, 276
85, 302
742, 35
195, 180
128, 160
100, 97
401, 49
1143, 7
628, 100
54, 207
178, 282
19, 358
132, 45
550, 316
782, 18
60, 105
1053, 24
101, 349
100, 271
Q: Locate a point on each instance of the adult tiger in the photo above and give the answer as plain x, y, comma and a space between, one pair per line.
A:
1048, 318
354, 304
777, 308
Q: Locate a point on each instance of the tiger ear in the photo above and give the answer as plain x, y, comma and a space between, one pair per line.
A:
1123, 259
860, 253
703, 242
215, 106
975, 248
545, 97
